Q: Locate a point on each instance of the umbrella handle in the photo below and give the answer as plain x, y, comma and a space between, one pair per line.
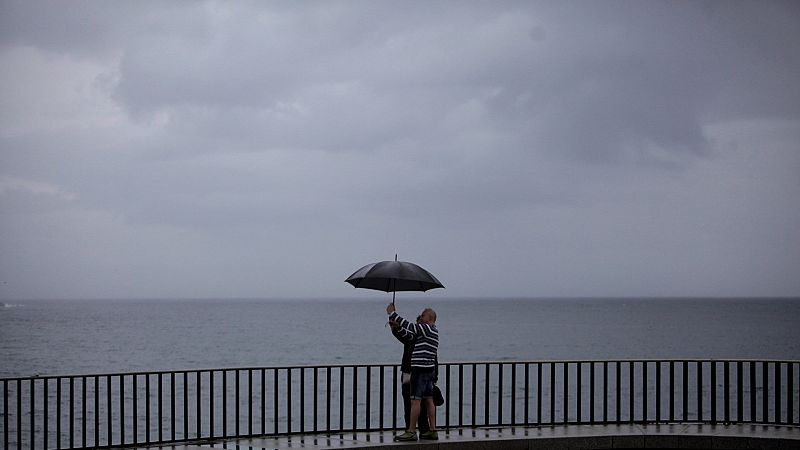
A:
394, 287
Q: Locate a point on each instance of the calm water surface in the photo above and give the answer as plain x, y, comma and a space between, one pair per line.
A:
66, 337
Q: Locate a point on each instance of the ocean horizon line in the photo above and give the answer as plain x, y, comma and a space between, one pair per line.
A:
405, 298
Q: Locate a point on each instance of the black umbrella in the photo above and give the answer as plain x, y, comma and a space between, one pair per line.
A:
393, 276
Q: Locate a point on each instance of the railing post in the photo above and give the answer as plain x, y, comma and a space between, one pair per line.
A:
631, 391
276, 413
224, 374
474, 393
486, 398
658, 391
289, 400
368, 411
355, 398
249, 402
538, 393
447, 396
513, 393
316, 397
777, 395
160, 407
765, 392
605, 391
644, 391
121, 411
565, 368
198, 391
212, 408
83, 413
671, 391
109, 423
6, 431
500, 394
19, 415
460, 395
45, 398
71, 412
789, 393
727, 389
579, 366
713, 391
394, 397
135, 407
739, 391
171, 404
147, 407
96, 412
527, 393
552, 393
32, 414
619, 392
753, 415
699, 366
263, 401
236, 408
341, 398
186, 405
591, 392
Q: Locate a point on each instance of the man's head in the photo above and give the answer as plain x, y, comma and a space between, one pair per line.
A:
428, 316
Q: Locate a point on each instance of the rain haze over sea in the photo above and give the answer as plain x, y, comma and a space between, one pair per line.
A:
74, 337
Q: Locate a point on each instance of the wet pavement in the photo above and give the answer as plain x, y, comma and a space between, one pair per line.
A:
563, 436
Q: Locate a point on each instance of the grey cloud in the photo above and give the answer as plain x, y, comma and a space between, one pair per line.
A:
649, 92
528, 140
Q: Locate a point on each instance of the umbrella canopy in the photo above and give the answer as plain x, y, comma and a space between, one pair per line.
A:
393, 276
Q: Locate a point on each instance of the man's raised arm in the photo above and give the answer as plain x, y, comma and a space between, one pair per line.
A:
410, 327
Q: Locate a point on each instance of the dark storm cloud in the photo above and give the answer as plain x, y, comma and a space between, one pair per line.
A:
635, 83
91, 29
600, 85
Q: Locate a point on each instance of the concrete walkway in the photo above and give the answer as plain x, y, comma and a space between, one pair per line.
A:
542, 437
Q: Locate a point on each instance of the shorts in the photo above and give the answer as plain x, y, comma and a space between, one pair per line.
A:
421, 384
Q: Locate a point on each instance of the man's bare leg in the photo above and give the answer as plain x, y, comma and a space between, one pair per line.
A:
415, 406
431, 413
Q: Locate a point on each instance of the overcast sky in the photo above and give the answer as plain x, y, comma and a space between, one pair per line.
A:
270, 149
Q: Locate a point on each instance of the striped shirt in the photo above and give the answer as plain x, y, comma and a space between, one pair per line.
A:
426, 341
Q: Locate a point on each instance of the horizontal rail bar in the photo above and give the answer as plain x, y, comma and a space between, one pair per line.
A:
387, 364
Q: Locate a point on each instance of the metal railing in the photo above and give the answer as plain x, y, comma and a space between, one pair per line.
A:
127, 409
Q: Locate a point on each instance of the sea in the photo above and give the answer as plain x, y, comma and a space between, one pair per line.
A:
96, 337
66, 337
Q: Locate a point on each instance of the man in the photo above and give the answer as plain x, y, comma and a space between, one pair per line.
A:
407, 339
425, 336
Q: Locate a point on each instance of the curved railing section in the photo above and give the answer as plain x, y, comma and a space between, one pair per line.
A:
141, 408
